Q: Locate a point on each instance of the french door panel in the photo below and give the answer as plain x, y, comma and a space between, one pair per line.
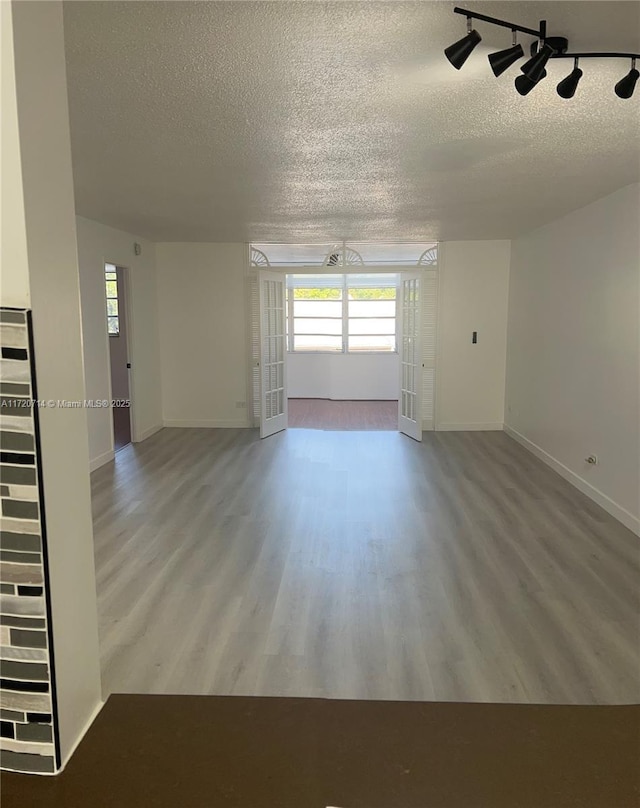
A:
273, 353
410, 354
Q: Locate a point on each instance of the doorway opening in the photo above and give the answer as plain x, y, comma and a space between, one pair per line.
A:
342, 338
342, 351
117, 329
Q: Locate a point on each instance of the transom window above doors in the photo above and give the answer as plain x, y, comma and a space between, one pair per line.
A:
344, 254
351, 313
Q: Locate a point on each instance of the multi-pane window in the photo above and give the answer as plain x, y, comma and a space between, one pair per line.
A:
371, 317
315, 314
342, 313
111, 282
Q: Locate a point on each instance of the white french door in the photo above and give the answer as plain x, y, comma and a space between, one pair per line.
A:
273, 353
409, 331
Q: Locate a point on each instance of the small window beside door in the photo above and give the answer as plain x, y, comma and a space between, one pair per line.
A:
113, 317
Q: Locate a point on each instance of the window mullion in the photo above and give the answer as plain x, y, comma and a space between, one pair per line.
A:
345, 315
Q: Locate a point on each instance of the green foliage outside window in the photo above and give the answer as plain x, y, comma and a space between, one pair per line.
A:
388, 293
317, 294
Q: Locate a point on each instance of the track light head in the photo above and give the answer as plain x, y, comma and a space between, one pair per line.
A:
524, 85
459, 52
534, 68
625, 87
567, 87
502, 60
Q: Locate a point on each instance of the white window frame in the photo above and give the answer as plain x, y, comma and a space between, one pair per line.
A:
344, 319
291, 319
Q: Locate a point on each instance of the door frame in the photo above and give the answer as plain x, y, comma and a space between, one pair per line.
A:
441, 275
251, 277
128, 309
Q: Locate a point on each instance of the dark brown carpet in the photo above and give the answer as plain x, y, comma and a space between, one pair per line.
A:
323, 413
239, 752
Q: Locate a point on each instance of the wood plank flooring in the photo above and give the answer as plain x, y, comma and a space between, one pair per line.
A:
323, 413
360, 565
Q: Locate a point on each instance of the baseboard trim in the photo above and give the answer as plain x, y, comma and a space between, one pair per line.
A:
589, 490
101, 460
217, 424
450, 427
149, 432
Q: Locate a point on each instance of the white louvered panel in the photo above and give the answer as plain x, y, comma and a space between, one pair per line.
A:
429, 323
428, 396
254, 311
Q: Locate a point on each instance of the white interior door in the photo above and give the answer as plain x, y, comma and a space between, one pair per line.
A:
409, 348
273, 353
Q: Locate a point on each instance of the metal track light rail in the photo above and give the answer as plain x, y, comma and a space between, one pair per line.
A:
543, 49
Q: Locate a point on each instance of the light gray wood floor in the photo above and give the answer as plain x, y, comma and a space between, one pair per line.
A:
360, 565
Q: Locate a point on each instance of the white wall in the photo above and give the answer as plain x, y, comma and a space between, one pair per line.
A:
343, 376
14, 273
97, 245
203, 340
573, 360
202, 298
49, 224
473, 296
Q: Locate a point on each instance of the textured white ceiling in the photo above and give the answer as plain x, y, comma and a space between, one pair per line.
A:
310, 121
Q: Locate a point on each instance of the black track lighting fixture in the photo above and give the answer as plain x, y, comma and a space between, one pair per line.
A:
535, 67
625, 87
567, 87
502, 60
524, 85
545, 49
459, 52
